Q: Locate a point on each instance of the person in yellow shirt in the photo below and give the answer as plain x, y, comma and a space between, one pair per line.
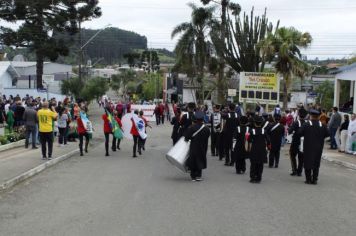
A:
46, 117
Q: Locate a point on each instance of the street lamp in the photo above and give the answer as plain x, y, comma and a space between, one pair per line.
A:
86, 44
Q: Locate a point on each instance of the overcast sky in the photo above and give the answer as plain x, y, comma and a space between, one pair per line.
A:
330, 22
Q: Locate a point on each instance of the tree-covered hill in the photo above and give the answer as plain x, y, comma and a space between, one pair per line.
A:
107, 48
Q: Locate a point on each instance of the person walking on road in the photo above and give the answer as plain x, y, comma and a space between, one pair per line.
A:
294, 151
240, 148
258, 150
314, 133
46, 118
84, 128
30, 118
276, 133
116, 141
107, 128
136, 135
199, 134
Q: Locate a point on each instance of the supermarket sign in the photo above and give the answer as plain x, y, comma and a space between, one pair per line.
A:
259, 87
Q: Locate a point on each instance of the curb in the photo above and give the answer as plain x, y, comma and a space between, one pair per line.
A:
341, 163
28, 174
12, 145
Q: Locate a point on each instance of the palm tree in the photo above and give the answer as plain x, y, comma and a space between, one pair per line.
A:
284, 48
192, 49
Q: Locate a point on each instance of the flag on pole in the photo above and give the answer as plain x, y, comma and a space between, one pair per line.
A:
140, 126
114, 126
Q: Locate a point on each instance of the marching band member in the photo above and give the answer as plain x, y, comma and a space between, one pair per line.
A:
199, 134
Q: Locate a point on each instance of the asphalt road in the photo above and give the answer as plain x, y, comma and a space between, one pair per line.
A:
119, 195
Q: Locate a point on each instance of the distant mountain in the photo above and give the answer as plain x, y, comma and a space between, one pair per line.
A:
108, 47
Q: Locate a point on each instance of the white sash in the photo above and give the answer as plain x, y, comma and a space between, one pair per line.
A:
275, 127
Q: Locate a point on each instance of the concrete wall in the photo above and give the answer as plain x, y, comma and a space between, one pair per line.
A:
189, 95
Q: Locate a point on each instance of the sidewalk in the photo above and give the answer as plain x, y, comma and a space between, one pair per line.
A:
339, 158
19, 164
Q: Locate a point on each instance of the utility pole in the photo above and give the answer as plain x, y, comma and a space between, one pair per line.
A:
80, 58
86, 44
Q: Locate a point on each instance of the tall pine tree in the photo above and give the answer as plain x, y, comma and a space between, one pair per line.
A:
40, 20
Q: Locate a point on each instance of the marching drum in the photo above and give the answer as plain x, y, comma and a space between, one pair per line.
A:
179, 154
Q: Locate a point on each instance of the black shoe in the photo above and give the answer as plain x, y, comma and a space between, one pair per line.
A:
308, 182
293, 174
134, 156
270, 166
107, 154
299, 174
34, 147
143, 148
226, 164
26, 146
44, 158
231, 164
315, 182
139, 152
276, 166
252, 181
81, 154
238, 172
49, 158
113, 149
118, 148
86, 150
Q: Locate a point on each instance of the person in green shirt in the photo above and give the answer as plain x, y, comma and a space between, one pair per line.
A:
10, 120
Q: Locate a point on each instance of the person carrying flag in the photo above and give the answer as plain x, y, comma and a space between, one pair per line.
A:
137, 131
84, 128
107, 118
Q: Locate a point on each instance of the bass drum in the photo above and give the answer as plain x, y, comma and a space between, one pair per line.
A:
179, 154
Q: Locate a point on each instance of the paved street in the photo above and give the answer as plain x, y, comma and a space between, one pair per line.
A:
119, 195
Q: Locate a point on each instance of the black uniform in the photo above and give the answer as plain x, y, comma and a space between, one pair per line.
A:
185, 122
240, 150
198, 149
275, 133
258, 154
215, 121
175, 132
314, 134
231, 121
297, 168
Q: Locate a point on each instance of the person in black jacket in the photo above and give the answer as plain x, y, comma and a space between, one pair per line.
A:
199, 134
187, 119
258, 150
175, 122
275, 132
314, 133
297, 167
230, 120
240, 148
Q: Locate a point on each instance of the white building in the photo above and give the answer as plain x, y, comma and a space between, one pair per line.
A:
104, 73
8, 76
19, 77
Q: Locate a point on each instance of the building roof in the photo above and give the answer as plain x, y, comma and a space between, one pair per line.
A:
25, 63
5, 66
345, 68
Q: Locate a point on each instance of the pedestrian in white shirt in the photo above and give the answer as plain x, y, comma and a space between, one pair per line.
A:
351, 135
